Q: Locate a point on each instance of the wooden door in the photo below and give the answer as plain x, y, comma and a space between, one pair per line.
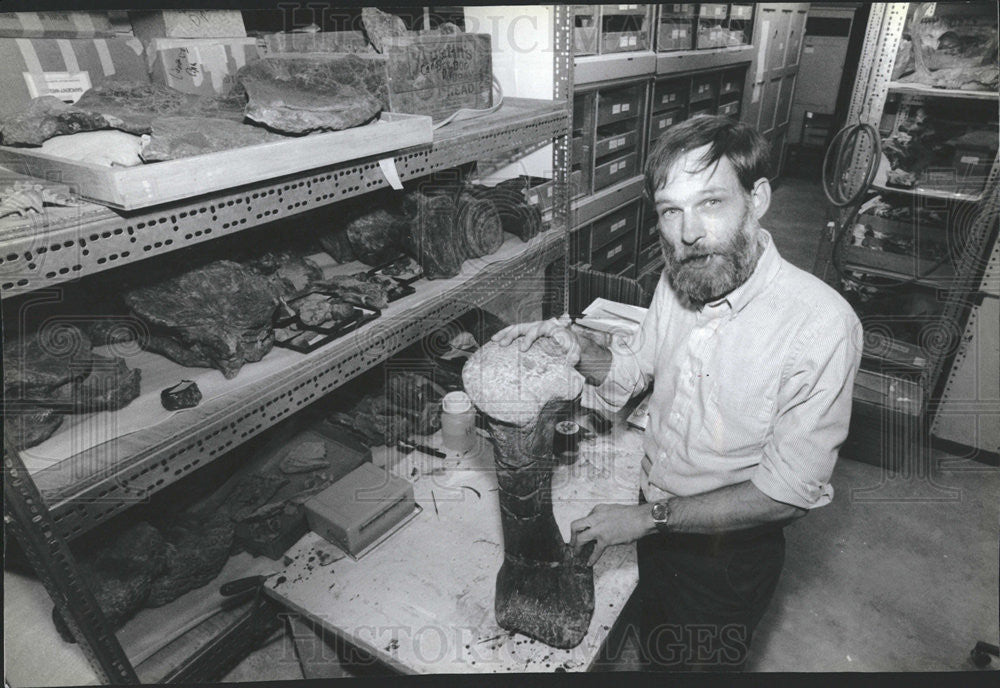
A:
778, 38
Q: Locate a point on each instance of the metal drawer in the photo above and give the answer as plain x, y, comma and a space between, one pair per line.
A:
613, 226
618, 143
661, 122
649, 233
730, 109
621, 249
615, 105
704, 87
615, 171
670, 94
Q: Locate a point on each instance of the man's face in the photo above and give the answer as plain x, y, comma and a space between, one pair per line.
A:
708, 228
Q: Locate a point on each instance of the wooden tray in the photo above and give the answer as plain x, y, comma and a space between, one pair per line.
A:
130, 188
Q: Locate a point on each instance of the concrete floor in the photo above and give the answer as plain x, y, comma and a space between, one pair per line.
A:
896, 574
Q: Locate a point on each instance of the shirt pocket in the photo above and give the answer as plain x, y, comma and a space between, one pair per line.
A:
737, 419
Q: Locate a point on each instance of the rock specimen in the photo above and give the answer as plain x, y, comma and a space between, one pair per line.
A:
24, 198
517, 216
305, 457
479, 225
433, 237
36, 363
376, 236
195, 551
185, 394
180, 137
121, 575
297, 93
360, 289
380, 26
214, 316
130, 106
416, 398
30, 425
337, 244
542, 589
290, 272
319, 309
45, 117
109, 148
110, 385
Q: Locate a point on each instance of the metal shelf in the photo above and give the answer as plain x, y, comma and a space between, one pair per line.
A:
923, 90
687, 60
931, 193
92, 239
590, 207
92, 486
592, 69
897, 266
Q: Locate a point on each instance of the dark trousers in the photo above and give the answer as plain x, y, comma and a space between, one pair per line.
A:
702, 596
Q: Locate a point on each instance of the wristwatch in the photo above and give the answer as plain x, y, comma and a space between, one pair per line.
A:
661, 516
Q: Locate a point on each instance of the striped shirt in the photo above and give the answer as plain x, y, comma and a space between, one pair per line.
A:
756, 386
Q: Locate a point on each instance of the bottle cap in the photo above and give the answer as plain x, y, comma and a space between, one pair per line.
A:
456, 402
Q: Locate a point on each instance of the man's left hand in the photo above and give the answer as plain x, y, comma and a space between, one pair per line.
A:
609, 524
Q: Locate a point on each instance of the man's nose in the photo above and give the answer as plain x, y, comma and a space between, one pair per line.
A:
692, 229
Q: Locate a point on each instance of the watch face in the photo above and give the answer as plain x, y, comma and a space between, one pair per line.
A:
659, 511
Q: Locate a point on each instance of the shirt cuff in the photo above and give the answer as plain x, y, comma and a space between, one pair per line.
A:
789, 488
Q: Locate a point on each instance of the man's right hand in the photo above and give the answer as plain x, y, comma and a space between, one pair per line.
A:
527, 333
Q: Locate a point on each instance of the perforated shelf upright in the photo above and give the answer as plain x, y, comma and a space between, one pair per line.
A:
47, 508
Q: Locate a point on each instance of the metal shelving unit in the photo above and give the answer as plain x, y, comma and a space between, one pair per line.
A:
958, 282
51, 507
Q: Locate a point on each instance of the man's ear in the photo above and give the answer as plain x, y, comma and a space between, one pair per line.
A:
761, 197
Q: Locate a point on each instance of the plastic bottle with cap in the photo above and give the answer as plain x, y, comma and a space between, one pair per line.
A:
458, 421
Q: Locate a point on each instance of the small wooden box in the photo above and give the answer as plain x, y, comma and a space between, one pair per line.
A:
360, 507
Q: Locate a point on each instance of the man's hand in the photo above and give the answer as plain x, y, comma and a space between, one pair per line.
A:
529, 332
610, 524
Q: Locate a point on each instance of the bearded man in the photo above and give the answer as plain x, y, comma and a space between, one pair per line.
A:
754, 362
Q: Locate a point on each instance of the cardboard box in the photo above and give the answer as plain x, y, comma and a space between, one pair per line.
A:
187, 24
437, 75
359, 508
63, 67
203, 66
55, 25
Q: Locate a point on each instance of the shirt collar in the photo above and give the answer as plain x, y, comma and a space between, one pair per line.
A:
764, 272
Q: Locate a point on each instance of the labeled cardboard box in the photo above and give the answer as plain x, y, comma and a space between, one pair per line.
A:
63, 67
55, 25
187, 24
203, 66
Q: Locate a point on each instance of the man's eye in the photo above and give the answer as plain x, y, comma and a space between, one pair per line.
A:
671, 211
712, 202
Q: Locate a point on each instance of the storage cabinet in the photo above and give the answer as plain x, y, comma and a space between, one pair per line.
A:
609, 29
609, 122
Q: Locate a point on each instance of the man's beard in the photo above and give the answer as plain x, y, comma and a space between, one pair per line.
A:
732, 265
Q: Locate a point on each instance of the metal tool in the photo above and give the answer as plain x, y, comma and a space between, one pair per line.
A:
407, 447
241, 585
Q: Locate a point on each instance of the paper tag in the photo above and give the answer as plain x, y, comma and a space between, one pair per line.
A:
618, 225
615, 251
969, 160
623, 42
612, 144
809, 49
615, 109
632, 40
625, 107
66, 86
388, 167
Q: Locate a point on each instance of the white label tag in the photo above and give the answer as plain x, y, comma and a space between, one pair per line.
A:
676, 33
626, 107
615, 251
969, 160
66, 86
618, 225
388, 167
664, 123
623, 42
615, 109
632, 40
809, 50
612, 144
931, 7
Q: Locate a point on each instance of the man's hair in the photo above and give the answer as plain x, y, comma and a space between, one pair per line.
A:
746, 149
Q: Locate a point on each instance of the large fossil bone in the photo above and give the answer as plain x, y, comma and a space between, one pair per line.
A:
542, 590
